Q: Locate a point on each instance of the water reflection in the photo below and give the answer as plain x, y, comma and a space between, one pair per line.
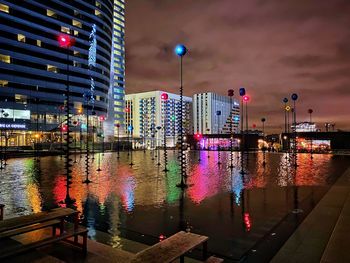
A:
234, 207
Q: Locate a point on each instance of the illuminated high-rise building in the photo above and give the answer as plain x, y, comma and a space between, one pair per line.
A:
211, 114
35, 69
118, 63
148, 110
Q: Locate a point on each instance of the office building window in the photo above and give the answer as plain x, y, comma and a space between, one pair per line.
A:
52, 68
5, 58
21, 38
4, 8
4, 83
51, 13
38, 43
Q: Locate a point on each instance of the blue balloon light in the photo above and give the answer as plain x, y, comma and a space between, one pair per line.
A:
130, 128
180, 50
241, 91
294, 96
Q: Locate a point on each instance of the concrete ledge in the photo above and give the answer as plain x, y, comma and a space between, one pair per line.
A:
309, 241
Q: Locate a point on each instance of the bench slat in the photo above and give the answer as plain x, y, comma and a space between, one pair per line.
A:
23, 221
213, 259
30, 228
170, 248
23, 248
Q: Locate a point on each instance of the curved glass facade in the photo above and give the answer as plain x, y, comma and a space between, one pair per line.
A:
34, 69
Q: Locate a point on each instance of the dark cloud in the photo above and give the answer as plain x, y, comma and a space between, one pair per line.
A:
272, 48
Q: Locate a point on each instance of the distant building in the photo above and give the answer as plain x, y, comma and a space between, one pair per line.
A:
146, 111
305, 127
211, 114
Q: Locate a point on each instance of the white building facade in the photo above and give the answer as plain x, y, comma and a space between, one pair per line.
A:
148, 113
211, 113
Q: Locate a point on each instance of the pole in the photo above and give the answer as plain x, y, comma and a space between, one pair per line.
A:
219, 157
131, 148
68, 164
182, 154
164, 131
231, 134
118, 142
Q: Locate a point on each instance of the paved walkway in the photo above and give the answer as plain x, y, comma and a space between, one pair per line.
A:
324, 234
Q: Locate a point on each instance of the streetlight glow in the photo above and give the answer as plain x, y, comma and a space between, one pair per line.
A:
180, 50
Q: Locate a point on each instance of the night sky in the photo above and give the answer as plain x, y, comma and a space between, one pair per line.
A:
271, 47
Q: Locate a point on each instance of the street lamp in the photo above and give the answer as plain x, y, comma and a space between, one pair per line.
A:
263, 148
208, 142
294, 98
218, 114
67, 42
198, 138
101, 119
180, 51
310, 111
230, 93
246, 98
130, 132
285, 101
118, 140
158, 144
165, 97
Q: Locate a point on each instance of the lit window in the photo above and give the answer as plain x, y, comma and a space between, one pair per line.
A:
75, 33
3, 83
98, 4
22, 99
38, 43
65, 30
51, 13
4, 8
97, 12
76, 23
5, 58
76, 53
76, 12
52, 68
98, 98
21, 38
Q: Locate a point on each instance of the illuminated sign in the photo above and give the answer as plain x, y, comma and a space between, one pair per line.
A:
14, 114
14, 126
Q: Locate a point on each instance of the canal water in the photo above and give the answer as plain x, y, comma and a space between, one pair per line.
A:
248, 211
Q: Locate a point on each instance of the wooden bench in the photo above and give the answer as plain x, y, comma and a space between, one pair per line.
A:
213, 259
54, 218
172, 248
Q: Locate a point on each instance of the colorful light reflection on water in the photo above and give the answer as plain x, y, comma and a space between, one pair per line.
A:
232, 206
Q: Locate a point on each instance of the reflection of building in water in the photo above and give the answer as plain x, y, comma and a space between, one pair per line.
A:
306, 145
146, 111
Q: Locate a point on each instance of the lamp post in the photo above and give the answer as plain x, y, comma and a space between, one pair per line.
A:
263, 148
218, 114
165, 97
66, 42
101, 119
241, 94
180, 51
198, 138
294, 98
87, 154
60, 122
158, 144
285, 101
208, 142
230, 93
246, 98
130, 132
118, 140
310, 111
